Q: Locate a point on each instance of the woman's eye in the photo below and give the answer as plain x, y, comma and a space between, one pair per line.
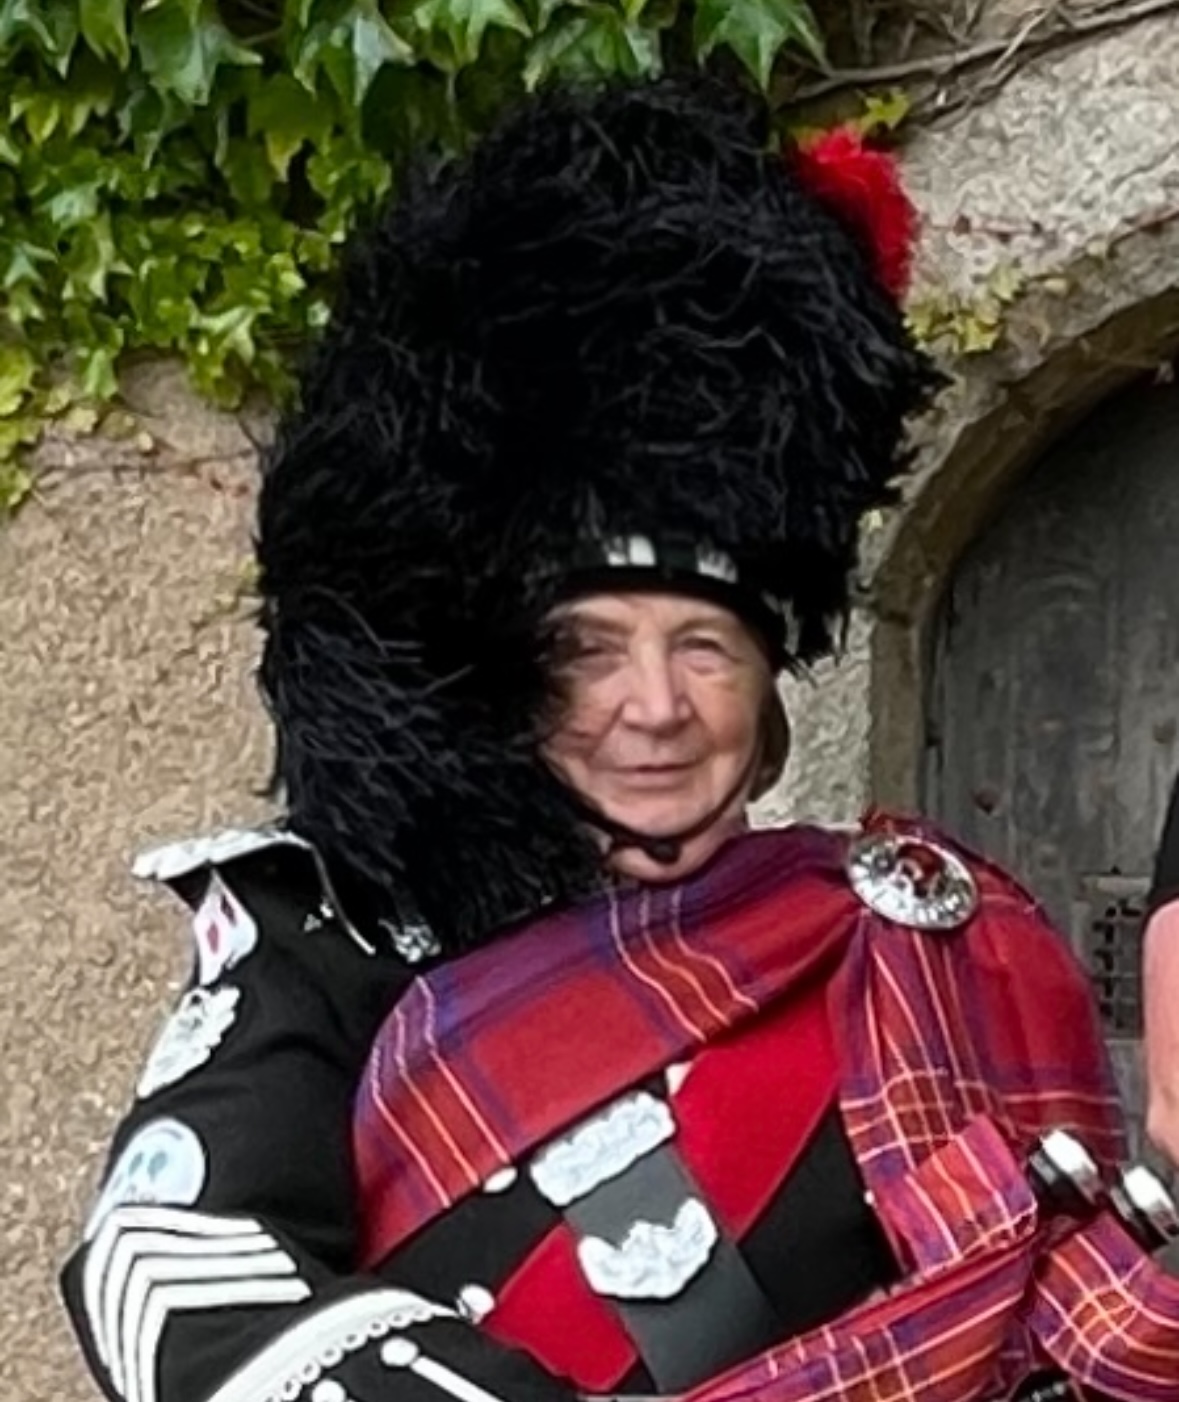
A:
587, 650
705, 642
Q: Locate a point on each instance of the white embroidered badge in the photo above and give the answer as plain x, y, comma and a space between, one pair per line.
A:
601, 1147
190, 1037
224, 932
164, 1163
652, 1262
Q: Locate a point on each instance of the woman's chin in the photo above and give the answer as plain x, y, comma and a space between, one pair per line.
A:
657, 816
636, 864
660, 808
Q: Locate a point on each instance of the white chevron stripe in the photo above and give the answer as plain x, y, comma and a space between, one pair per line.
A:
126, 1223
152, 1273
146, 1262
139, 1249
172, 1299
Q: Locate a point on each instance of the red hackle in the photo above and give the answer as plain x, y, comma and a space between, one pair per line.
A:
864, 186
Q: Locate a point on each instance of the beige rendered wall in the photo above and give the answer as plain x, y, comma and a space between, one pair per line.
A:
125, 714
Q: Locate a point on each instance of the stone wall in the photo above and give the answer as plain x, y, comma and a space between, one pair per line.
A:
1071, 176
128, 714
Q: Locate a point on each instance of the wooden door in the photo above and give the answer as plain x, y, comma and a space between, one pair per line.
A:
1053, 706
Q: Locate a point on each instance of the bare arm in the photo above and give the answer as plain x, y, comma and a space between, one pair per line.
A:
1160, 981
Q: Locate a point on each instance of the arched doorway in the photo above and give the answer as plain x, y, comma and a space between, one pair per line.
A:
1053, 705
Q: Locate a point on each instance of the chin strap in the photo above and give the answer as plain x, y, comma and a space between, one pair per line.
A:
665, 850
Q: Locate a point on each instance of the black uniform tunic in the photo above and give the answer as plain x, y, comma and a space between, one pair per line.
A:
219, 1262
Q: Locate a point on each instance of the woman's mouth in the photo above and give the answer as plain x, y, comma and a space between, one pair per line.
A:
653, 775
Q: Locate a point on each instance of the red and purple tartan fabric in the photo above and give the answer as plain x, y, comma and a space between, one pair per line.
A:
957, 1050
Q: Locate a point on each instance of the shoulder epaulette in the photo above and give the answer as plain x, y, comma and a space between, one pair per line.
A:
176, 859
173, 861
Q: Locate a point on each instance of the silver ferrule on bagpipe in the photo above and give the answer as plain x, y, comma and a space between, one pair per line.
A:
1067, 1181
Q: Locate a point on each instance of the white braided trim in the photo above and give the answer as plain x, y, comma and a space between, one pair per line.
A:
300, 1356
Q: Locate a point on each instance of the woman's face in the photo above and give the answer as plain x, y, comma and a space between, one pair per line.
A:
662, 697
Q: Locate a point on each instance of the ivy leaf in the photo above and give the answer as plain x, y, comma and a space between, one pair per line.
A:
16, 484
349, 179
297, 14
98, 378
352, 52
227, 333
286, 116
23, 283
92, 258
104, 28
248, 172
147, 118
182, 47
593, 44
756, 31
371, 44
72, 205
464, 23
22, 304
61, 22
164, 313
91, 92
22, 265
18, 369
41, 112
24, 19
884, 111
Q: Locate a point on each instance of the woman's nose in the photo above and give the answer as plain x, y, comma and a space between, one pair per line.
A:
656, 699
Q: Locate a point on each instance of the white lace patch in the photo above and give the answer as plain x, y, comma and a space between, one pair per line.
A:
653, 1262
163, 1163
149, 1263
297, 1359
190, 1037
601, 1148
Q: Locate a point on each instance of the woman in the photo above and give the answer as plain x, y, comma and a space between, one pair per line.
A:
512, 1066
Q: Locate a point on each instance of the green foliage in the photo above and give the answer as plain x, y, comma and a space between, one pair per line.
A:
954, 324
174, 174
756, 31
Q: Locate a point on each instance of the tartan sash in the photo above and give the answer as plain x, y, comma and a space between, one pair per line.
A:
955, 1051
485, 1058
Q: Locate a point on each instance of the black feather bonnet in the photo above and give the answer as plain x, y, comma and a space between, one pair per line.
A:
622, 319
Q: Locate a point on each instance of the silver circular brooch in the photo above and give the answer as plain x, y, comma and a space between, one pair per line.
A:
912, 881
